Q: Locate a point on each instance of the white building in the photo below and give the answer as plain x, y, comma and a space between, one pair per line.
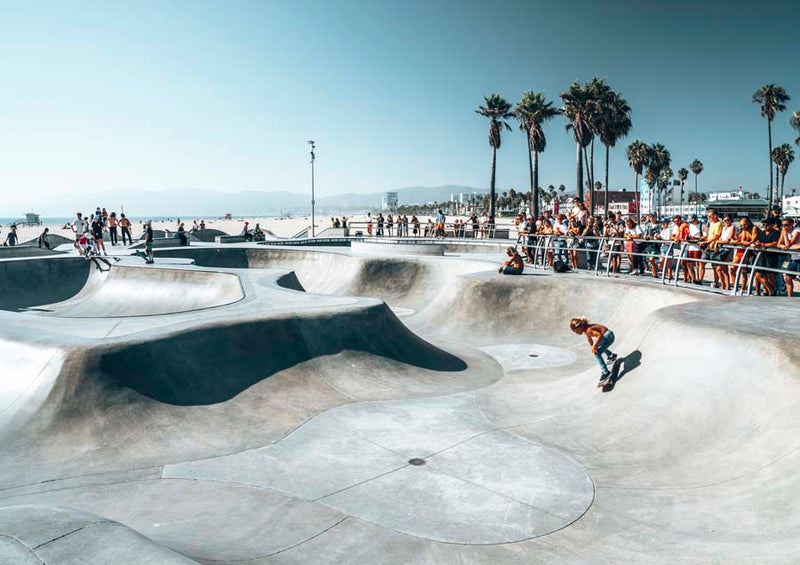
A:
791, 206
389, 201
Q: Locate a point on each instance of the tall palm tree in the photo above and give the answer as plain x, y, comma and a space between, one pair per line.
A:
697, 167
683, 174
794, 121
577, 109
498, 110
613, 122
783, 156
638, 154
532, 112
658, 160
664, 176
772, 99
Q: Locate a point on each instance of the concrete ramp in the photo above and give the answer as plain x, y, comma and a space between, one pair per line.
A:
141, 291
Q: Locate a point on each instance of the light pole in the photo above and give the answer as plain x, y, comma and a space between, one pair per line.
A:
313, 146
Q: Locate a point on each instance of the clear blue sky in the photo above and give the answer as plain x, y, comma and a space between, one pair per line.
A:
223, 95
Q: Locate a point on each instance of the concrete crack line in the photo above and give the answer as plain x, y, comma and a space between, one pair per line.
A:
250, 559
72, 532
389, 472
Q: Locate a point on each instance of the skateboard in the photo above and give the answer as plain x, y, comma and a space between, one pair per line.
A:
612, 376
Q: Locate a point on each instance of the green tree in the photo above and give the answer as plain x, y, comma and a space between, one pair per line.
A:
794, 121
532, 112
498, 110
638, 154
772, 99
697, 167
683, 174
783, 156
612, 123
578, 111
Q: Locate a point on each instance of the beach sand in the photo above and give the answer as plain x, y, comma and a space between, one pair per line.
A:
280, 227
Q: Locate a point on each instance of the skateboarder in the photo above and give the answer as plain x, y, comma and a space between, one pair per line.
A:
147, 255
600, 338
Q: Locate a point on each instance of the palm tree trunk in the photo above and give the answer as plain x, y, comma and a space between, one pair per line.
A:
769, 134
681, 208
695, 190
588, 176
783, 182
605, 200
636, 191
579, 171
535, 185
591, 168
533, 181
777, 173
491, 186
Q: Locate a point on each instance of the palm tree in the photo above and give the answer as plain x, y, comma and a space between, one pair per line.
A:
697, 167
638, 156
532, 112
658, 159
772, 99
683, 174
664, 176
577, 109
613, 123
794, 121
498, 110
783, 155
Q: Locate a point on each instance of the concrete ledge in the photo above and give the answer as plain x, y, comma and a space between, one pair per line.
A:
368, 247
159, 242
229, 239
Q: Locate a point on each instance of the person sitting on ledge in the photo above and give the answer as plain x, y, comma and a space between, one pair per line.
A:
514, 265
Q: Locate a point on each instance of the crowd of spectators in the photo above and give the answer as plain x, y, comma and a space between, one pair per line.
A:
722, 246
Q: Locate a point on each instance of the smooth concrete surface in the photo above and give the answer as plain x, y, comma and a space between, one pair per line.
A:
388, 247
178, 421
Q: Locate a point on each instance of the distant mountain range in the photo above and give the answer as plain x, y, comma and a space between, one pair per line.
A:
207, 203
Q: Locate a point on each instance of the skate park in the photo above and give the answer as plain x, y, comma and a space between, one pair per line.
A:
246, 403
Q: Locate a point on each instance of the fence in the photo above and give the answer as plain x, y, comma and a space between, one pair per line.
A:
747, 269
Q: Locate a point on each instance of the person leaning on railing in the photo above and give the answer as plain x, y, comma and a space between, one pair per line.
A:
767, 239
790, 240
722, 253
612, 244
632, 234
748, 233
708, 244
665, 235
680, 235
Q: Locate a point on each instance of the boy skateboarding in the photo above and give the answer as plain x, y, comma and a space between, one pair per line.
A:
600, 339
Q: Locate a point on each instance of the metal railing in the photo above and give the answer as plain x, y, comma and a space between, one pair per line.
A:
546, 249
423, 230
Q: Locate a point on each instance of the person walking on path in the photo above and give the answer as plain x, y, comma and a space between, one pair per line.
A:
12, 237
125, 226
600, 339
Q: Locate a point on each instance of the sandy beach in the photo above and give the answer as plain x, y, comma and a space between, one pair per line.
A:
280, 227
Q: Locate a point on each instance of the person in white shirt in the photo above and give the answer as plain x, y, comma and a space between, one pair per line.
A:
666, 234
560, 229
632, 233
790, 240
80, 227
722, 253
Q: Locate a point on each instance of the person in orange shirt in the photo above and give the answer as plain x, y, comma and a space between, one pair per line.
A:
709, 243
748, 233
680, 235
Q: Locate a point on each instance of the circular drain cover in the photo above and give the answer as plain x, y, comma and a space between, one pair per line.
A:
416, 461
532, 355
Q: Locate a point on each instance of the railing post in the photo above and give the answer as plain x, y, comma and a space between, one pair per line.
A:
753, 273
666, 259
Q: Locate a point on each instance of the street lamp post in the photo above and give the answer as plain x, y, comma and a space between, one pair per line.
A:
313, 146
